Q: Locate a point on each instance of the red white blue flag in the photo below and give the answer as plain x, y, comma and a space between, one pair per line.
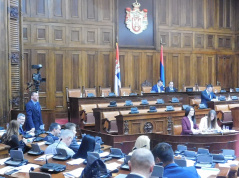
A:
117, 85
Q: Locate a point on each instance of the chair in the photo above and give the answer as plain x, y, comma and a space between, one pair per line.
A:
86, 114
39, 175
143, 111
181, 162
125, 91
201, 88
71, 93
157, 171
191, 155
185, 88
109, 122
146, 87
216, 89
195, 102
177, 108
89, 90
233, 106
104, 91
103, 105
177, 129
224, 114
203, 151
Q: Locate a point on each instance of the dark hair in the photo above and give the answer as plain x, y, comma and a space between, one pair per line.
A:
53, 126
69, 125
87, 144
164, 152
187, 110
212, 124
160, 80
209, 85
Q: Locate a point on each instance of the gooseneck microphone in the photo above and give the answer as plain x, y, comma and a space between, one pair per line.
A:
58, 143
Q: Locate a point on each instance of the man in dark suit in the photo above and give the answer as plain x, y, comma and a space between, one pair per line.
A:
141, 164
158, 88
163, 152
207, 95
34, 117
54, 131
21, 121
170, 88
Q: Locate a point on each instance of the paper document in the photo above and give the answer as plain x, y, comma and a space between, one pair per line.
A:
41, 143
74, 173
26, 168
207, 172
76, 161
6, 169
104, 154
44, 157
112, 166
3, 160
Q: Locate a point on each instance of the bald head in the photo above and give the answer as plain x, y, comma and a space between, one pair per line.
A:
142, 162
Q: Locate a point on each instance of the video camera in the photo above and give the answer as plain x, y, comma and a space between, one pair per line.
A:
36, 77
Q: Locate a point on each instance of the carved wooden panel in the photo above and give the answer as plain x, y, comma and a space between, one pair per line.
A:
90, 11
199, 70
149, 68
198, 13
165, 38
75, 8
186, 12
224, 72
211, 13
106, 37
59, 71
106, 77
75, 70
163, 12
210, 41
176, 40
92, 71
59, 34
135, 86
187, 40
41, 33
175, 11
199, 41
186, 74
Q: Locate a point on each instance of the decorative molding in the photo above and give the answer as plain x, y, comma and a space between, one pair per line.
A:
126, 127
148, 127
15, 58
14, 12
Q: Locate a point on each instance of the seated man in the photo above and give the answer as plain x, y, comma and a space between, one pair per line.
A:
158, 88
141, 164
170, 88
64, 143
163, 152
54, 131
207, 95
74, 145
21, 120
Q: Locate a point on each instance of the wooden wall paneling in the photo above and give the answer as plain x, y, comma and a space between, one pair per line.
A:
40, 34
74, 9
211, 69
106, 36
105, 10
136, 76
90, 36
199, 40
91, 69
90, 10
211, 13
210, 41
74, 36
26, 33
168, 69
234, 71
236, 19
38, 8
27, 75
186, 13
147, 68
58, 9
185, 67
176, 75
187, 40
198, 13
199, 70
175, 8
58, 35
163, 13
26, 8
165, 38
59, 80
175, 39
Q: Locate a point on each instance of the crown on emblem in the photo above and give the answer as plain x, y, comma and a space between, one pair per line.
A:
136, 4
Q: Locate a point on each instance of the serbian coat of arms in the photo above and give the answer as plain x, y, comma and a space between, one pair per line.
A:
136, 20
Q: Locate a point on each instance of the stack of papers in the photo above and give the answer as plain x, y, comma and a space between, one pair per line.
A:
41, 143
74, 173
207, 172
26, 168
104, 154
76, 161
6, 169
44, 157
190, 163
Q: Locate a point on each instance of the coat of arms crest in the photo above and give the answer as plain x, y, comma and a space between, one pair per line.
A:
136, 20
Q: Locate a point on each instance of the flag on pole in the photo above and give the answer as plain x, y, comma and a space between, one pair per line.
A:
117, 72
162, 77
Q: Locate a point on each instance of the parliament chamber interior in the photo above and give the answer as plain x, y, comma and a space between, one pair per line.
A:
121, 69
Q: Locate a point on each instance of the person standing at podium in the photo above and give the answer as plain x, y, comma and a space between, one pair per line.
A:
207, 95
189, 125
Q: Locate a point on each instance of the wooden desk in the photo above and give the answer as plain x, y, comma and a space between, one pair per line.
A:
158, 122
4, 150
212, 104
98, 112
235, 117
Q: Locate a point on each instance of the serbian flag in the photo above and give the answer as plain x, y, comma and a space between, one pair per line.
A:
117, 72
162, 77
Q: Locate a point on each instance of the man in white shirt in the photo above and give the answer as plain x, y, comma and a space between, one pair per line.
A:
64, 142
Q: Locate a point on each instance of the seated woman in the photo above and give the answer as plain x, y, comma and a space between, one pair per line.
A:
11, 137
142, 141
209, 122
189, 125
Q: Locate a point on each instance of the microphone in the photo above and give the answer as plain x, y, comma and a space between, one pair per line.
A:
31, 169
58, 143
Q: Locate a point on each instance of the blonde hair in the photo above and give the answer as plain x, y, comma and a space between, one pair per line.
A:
142, 141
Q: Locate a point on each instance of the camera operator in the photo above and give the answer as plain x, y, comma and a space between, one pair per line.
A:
33, 112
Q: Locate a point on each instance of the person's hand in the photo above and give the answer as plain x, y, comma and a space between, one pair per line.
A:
32, 131
42, 127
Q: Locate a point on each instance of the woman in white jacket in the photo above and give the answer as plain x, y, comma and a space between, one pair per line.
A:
209, 122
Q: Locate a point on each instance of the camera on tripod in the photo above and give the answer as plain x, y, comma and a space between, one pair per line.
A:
36, 77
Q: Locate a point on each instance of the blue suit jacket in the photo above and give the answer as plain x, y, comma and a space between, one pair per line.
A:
133, 176
173, 170
34, 117
167, 89
155, 88
21, 131
52, 136
205, 97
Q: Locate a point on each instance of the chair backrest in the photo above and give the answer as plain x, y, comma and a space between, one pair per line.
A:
90, 90
216, 89
203, 151
146, 89
120, 104
177, 108
195, 101
136, 103
104, 91
233, 106
161, 109
142, 111
185, 88
181, 162
125, 91
177, 129
103, 105
73, 93
157, 171
124, 112
39, 175
222, 107
201, 88
88, 107
110, 115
